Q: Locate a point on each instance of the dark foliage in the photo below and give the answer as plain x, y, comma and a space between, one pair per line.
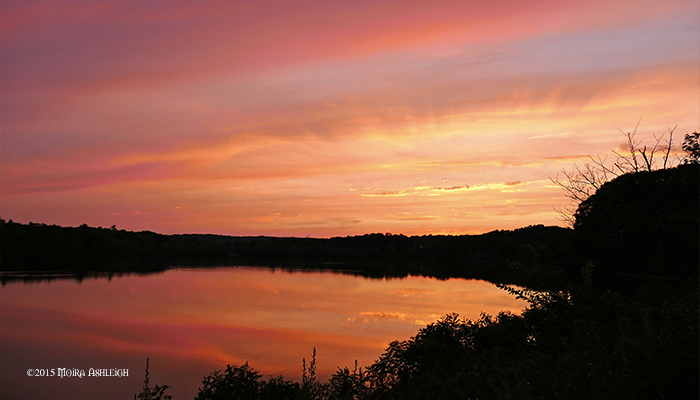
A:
233, 383
562, 347
243, 382
567, 345
640, 226
691, 146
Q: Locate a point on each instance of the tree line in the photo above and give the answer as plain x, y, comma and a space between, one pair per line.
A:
42, 247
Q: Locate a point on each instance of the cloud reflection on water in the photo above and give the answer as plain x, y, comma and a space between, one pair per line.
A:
193, 321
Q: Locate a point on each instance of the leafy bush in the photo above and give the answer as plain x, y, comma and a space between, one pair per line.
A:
568, 344
234, 383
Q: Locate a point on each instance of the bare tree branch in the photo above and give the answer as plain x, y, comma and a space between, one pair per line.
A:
582, 181
668, 144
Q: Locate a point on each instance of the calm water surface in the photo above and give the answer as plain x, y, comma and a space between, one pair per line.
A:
191, 322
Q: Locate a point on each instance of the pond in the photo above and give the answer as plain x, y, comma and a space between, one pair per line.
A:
190, 322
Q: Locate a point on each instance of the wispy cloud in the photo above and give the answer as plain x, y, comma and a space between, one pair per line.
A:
383, 194
119, 106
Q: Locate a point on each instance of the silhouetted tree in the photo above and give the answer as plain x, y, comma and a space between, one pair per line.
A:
583, 180
641, 225
691, 145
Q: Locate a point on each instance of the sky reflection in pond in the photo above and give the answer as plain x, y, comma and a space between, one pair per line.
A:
193, 321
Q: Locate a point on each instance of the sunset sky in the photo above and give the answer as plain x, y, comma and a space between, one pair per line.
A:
327, 118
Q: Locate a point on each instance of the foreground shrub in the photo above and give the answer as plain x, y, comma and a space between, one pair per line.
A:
567, 345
